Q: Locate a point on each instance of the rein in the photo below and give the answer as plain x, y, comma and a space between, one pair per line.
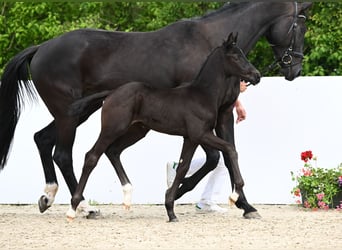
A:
289, 53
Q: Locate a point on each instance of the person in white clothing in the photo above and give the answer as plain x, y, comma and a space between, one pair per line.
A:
218, 177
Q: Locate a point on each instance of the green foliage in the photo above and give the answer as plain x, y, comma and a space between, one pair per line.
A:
26, 24
23, 24
324, 40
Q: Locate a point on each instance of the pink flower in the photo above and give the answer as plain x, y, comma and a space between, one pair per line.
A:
321, 204
307, 204
320, 196
307, 172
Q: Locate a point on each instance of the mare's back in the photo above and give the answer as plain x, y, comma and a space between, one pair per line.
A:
165, 57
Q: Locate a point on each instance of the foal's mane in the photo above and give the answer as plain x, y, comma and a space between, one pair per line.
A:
207, 61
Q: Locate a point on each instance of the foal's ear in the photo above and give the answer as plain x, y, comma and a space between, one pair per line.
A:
235, 38
230, 40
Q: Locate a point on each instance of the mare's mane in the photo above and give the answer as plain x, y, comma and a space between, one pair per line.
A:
227, 7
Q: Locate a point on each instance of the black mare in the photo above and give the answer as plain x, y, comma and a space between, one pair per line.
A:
83, 62
190, 111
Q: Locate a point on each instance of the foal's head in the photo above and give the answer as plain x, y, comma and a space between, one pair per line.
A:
236, 63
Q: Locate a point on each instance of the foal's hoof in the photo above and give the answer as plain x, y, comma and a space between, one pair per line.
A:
127, 207
93, 214
43, 203
252, 215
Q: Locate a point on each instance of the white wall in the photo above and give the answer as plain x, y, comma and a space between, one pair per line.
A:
284, 119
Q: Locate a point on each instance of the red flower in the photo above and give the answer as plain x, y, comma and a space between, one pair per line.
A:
297, 192
307, 155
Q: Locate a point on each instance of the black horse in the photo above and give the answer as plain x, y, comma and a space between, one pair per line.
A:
190, 111
83, 62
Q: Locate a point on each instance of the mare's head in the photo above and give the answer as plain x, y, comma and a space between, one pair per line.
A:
236, 63
286, 35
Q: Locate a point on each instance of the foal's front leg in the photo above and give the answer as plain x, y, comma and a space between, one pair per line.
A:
90, 163
188, 151
225, 130
189, 183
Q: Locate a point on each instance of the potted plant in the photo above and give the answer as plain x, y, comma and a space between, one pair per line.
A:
317, 188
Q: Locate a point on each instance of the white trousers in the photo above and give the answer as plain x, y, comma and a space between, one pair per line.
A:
215, 185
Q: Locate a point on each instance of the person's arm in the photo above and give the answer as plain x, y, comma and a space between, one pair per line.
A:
240, 110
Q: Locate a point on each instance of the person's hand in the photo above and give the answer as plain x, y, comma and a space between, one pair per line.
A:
240, 111
243, 86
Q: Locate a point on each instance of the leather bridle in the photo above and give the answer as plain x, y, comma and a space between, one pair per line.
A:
286, 59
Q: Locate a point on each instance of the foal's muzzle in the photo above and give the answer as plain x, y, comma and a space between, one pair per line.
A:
254, 77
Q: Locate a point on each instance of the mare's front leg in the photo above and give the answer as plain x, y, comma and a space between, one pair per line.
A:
135, 133
225, 130
188, 151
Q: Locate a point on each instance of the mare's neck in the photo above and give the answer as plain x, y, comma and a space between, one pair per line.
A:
250, 20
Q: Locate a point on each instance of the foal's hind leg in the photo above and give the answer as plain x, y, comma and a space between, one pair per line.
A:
188, 151
45, 140
135, 133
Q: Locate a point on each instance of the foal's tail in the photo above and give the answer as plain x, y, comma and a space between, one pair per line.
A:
14, 80
81, 105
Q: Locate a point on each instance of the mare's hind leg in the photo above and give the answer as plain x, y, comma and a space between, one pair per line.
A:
225, 130
66, 129
135, 133
45, 140
188, 151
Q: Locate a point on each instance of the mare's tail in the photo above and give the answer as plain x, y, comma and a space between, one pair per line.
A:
81, 105
15, 79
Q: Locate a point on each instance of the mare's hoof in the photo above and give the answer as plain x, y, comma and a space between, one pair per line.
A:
174, 220
93, 214
43, 203
252, 215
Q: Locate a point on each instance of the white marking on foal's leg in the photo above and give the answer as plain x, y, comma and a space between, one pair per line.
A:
51, 190
127, 191
233, 198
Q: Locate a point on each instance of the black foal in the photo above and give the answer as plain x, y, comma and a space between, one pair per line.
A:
190, 111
